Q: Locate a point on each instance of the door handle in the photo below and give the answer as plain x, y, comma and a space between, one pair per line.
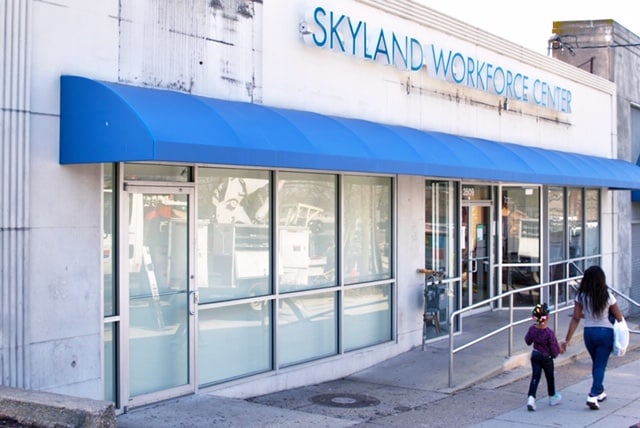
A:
194, 298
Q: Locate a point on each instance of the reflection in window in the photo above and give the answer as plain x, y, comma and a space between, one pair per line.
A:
592, 224
108, 241
440, 230
307, 328
521, 241
234, 341
109, 284
574, 225
233, 241
556, 224
306, 231
150, 172
574, 233
367, 316
367, 228
517, 277
521, 224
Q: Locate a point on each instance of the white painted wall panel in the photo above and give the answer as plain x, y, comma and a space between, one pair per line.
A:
191, 46
71, 37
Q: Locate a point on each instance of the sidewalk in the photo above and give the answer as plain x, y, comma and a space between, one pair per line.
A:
620, 409
412, 389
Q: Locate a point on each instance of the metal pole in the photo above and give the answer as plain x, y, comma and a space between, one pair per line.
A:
510, 352
451, 324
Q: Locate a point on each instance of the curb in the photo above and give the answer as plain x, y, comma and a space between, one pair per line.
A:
46, 409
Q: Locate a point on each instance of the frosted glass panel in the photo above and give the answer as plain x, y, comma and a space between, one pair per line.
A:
367, 316
110, 359
367, 229
234, 341
307, 327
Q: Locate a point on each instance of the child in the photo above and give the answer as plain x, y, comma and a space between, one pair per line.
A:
545, 349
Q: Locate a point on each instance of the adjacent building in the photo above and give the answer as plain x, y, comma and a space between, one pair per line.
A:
607, 49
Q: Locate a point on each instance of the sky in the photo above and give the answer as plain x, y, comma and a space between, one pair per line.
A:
529, 23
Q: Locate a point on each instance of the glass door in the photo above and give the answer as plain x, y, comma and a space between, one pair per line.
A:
159, 298
442, 279
476, 253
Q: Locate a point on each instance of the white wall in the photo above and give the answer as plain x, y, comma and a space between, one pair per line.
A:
304, 76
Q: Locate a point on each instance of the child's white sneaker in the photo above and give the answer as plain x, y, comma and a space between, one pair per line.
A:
555, 400
531, 403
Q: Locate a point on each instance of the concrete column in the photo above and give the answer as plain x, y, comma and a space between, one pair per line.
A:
14, 187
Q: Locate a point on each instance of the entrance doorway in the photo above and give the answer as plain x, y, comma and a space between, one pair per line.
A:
158, 299
476, 250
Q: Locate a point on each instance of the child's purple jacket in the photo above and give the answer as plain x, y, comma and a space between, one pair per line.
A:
544, 341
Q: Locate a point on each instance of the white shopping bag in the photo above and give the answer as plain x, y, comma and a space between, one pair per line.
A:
620, 338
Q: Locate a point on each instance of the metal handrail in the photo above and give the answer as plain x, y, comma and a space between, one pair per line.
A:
510, 295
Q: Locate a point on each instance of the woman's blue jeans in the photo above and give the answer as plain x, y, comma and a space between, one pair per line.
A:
599, 343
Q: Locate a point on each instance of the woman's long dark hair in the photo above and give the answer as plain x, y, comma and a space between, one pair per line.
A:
593, 289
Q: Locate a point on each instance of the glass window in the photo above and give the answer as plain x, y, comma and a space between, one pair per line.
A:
307, 328
233, 239
474, 192
575, 211
367, 316
110, 358
521, 242
557, 231
108, 241
306, 231
109, 281
367, 228
521, 224
556, 224
440, 227
149, 172
516, 277
234, 341
592, 224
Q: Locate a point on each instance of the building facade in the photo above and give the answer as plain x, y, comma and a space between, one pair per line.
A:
238, 196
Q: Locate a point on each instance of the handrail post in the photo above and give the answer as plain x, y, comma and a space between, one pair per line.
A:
451, 324
510, 325
556, 303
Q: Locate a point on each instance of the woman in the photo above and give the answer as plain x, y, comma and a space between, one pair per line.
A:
593, 302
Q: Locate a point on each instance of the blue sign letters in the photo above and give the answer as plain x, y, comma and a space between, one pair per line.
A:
345, 34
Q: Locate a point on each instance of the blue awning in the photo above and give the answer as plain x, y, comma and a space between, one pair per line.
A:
635, 194
109, 122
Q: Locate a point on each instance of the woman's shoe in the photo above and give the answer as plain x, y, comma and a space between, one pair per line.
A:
592, 402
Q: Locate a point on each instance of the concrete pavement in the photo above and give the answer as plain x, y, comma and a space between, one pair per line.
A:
412, 389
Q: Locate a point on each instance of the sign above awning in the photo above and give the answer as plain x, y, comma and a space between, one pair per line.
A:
108, 122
